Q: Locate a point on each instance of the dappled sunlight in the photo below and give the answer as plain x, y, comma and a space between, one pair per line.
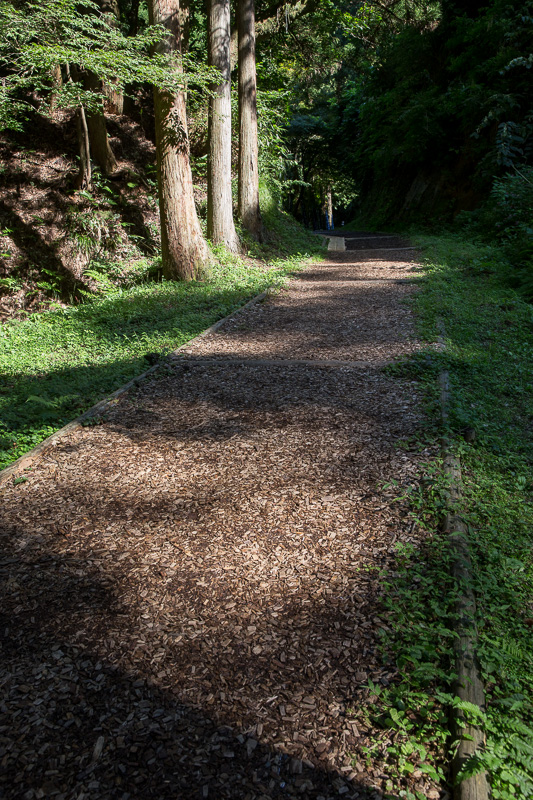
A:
335, 319
206, 561
209, 558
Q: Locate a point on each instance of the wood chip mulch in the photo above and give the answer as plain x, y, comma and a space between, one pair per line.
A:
191, 590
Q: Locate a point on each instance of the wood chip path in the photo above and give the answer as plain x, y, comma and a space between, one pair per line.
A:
191, 589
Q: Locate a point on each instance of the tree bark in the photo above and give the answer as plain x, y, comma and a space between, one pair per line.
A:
101, 149
84, 179
57, 82
185, 16
220, 226
329, 203
114, 101
184, 250
248, 206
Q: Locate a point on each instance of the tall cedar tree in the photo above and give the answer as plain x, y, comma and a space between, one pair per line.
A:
220, 226
184, 250
249, 213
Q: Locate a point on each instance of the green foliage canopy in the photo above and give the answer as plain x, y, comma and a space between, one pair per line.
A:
36, 38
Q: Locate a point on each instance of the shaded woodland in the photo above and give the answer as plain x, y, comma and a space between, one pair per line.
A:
394, 113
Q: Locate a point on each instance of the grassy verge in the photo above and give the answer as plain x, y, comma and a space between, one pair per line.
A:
489, 354
55, 365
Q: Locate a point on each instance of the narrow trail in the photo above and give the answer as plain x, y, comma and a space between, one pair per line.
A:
191, 604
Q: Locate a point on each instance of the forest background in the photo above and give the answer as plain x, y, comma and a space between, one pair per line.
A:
395, 111
383, 114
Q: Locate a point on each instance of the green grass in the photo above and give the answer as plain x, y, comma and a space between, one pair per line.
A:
489, 355
57, 364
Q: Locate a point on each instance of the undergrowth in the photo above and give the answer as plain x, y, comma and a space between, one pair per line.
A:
57, 364
489, 355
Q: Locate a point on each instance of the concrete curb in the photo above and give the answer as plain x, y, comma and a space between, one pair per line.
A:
52, 441
469, 685
337, 243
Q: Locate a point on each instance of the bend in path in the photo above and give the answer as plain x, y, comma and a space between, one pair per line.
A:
192, 604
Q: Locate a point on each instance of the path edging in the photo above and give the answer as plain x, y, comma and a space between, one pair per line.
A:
469, 685
102, 406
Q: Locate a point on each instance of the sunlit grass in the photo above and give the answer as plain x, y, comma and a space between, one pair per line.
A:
57, 364
488, 331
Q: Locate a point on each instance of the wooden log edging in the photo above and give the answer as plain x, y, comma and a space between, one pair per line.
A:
469, 685
102, 406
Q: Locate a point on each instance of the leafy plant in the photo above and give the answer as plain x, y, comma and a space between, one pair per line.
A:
11, 284
38, 37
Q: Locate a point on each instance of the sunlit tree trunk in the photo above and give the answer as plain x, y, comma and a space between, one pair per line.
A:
220, 226
184, 250
114, 99
248, 206
57, 82
84, 179
329, 204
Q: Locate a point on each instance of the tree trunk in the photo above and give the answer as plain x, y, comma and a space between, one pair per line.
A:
249, 212
57, 83
114, 102
184, 250
185, 16
133, 18
220, 226
100, 148
329, 201
84, 179
114, 98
